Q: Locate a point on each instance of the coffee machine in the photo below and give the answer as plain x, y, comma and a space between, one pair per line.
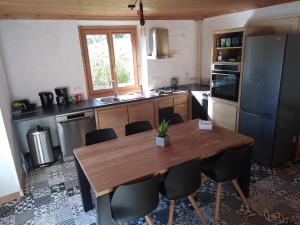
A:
62, 97
46, 99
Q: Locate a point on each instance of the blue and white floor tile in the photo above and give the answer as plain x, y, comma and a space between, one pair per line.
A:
52, 196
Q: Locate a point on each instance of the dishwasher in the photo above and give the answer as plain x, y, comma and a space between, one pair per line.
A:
72, 128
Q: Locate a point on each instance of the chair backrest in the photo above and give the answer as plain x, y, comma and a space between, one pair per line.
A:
137, 127
231, 164
182, 180
135, 200
173, 118
101, 135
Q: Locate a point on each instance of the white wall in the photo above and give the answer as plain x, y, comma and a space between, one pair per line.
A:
182, 42
40, 55
284, 18
10, 166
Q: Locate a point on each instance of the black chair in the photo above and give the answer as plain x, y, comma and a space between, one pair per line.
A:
168, 114
137, 127
227, 166
182, 181
135, 200
174, 118
101, 135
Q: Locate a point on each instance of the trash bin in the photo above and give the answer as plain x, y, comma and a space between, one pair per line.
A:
40, 146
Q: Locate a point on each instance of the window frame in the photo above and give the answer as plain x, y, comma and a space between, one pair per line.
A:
109, 31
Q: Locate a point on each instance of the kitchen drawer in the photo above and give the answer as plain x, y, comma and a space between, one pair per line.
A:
223, 115
167, 102
179, 100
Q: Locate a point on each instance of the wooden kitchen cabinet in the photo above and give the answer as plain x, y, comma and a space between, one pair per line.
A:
181, 106
117, 117
223, 114
141, 111
113, 117
182, 111
179, 102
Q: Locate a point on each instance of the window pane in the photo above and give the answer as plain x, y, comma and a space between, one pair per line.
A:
99, 61
124, 59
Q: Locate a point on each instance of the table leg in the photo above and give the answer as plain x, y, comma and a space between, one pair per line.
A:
103, 210
84, 188
244, 179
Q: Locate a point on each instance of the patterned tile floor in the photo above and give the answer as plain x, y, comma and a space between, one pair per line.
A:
52, 196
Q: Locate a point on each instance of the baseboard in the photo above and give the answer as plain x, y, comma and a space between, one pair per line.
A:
10, 197
15, 195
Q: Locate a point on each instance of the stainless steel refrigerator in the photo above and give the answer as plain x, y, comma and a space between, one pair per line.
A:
270, 98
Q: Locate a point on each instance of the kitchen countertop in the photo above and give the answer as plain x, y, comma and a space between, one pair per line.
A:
56, 110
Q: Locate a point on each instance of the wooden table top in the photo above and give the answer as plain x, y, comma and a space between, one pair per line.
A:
112, 163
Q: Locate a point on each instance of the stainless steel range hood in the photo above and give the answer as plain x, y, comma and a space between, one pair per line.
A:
159, 43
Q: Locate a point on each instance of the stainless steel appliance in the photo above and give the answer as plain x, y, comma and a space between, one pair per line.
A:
270, 103
62, 97
159, 43
72, 128
40, 145
46, 99
226, 81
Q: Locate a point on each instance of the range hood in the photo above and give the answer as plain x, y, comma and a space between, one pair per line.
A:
159, 43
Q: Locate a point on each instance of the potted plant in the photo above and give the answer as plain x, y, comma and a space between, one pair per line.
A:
162, 138
17, 108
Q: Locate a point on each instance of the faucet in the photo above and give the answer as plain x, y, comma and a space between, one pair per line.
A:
113, 83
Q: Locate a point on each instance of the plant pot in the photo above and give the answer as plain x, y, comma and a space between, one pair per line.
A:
16, 111
162, 141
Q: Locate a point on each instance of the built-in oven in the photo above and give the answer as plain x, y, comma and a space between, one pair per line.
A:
226, 81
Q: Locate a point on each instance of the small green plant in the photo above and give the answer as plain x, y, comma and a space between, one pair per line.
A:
19, 105
163, 128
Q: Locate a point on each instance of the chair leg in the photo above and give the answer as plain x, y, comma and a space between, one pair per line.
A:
171, 212
125, 223
204, 179
218, 201
149, 220
197, 210
237, 187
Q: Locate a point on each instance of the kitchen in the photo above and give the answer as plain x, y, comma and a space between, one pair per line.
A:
41, 55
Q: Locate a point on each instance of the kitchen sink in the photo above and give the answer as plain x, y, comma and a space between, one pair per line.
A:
120, 98
131, 96
109, 100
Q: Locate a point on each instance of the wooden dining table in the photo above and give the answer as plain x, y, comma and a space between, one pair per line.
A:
105, 166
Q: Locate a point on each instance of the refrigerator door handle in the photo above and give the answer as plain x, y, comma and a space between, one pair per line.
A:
257, 114
252, 113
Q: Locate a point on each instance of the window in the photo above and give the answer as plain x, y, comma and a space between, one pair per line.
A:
110, 59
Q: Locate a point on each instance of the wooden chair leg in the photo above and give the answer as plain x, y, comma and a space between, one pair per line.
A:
197, 210
204, 179
149, 220
218, 202
171, 212
243, 197
125, 223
